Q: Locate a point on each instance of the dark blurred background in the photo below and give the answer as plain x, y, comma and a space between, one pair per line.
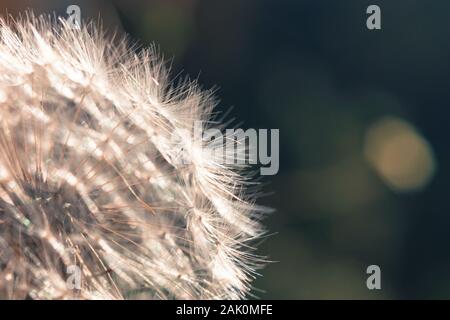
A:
364, 118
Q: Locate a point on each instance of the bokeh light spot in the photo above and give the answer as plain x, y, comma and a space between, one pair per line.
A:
400, 154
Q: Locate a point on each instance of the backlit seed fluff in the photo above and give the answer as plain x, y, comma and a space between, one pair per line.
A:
90, 177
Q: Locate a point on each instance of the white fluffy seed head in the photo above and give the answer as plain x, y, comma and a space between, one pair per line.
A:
89, 177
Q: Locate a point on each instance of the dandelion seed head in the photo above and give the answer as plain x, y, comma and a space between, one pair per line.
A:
89, 177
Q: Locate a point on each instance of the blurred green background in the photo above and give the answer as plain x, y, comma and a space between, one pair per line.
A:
364, 119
